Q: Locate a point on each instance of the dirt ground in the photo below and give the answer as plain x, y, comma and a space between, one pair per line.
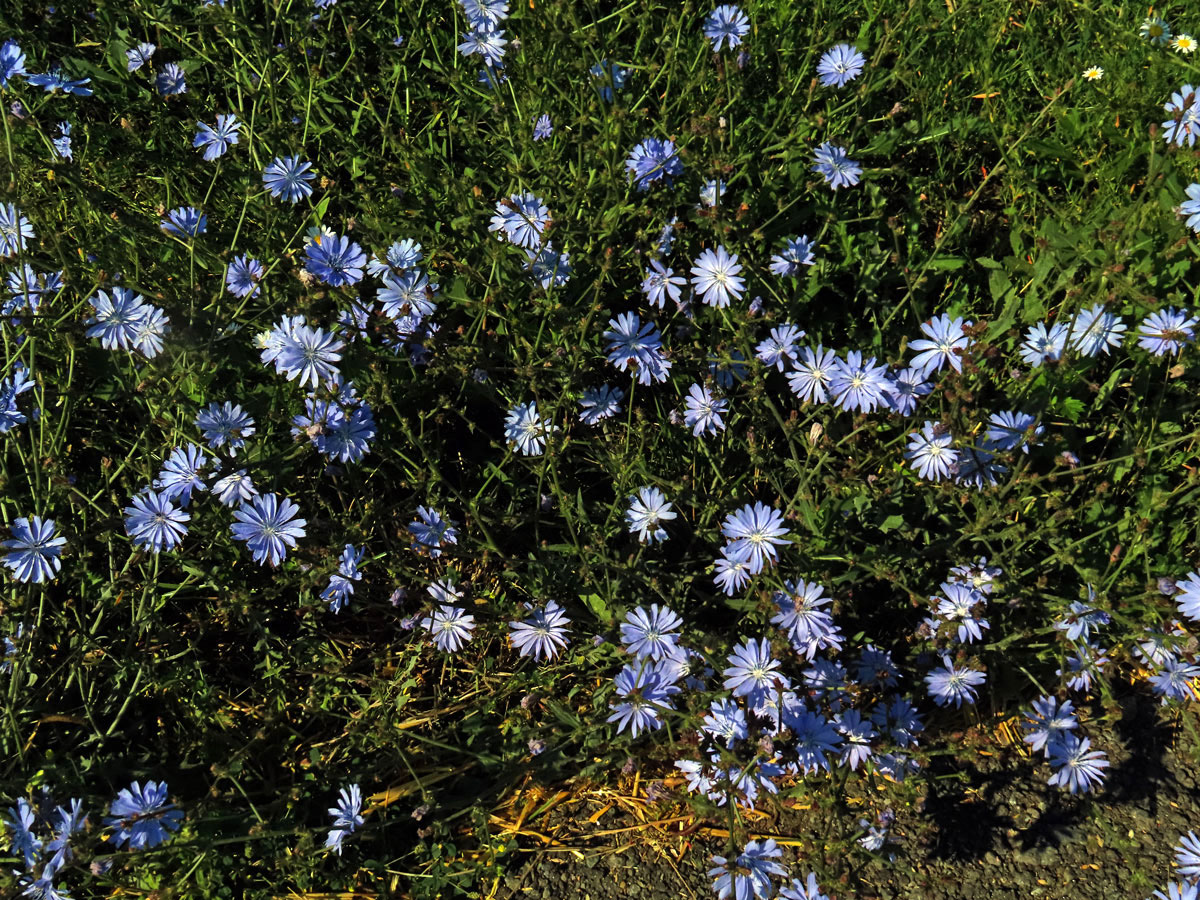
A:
975, 824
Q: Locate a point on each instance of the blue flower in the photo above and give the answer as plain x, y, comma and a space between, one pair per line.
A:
661, 283
525, 428
65, 822
1048, 722
15, 230
1178, 680
1187, 855
269, 526
801, 615
484, 12
541, 635
1075, 767
600, 403
235, 488
1191, 207
522, 217
243, 275
288, 177
952, 684
336, 260
780, 349
548, 267
858, 735
62, 143
492, 77
350, 561
645, 695
399, 258
733, 568
180, 474
171, 80
945, 344
752, 672
138, 56
749, 875
431, 532
803, 890
832, 164
859, 385
406, 294
931, 453
813, 374
185, 221
10, 389
650, 634
797, 252
905, 388
1042, 345
666, 238
899, 719
309, 354
814, 736
147, 337
12, 62
964, 604
727, 25
542, 128
225, 425
1179, 890
1012, 429
1188, 600
1095, 330
607, 77
711, 192
1088, 660
20, 822
347, 816
450, 626
56, 79
876, 668
758, 528
217, 140
154, 522
340, 587
1184, 125
841, 64
977, 467
653, 160
726, 721
1167, 331
116, 319
715, 277
703, 413
648, 508
632, 344
141, 816
28, 289
485, 41
35, 547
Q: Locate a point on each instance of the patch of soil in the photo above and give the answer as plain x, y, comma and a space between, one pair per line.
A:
972, 824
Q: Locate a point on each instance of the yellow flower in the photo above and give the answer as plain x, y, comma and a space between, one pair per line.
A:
1183, 43
1093, 73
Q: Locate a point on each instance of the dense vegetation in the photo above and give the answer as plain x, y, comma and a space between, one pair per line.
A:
809, 382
